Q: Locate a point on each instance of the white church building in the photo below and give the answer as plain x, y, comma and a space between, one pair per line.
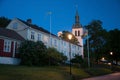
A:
25, 30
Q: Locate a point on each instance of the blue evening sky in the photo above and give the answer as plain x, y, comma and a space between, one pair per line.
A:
63, 12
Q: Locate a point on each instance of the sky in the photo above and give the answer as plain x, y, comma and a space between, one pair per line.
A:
63, 12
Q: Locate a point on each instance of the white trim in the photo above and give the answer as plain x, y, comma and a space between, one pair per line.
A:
7, 45
14, 43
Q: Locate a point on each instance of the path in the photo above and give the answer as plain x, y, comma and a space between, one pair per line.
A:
114, 76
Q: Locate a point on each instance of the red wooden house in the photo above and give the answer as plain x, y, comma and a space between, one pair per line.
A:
9, 43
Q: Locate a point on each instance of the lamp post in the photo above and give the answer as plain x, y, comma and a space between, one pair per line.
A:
70, 37
111, 53
50, 23
88, 50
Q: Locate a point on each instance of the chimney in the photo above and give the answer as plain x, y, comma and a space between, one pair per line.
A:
29, 21
59, 33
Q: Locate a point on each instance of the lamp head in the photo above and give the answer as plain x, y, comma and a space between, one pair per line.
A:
69, 36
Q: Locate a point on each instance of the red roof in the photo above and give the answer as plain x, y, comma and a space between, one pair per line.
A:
10, 34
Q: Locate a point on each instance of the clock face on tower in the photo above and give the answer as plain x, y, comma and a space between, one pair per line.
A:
15, 25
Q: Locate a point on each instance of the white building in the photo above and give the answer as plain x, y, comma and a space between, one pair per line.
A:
32, 32
28, 31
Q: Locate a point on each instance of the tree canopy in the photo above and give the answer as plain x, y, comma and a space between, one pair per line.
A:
96, 37
103, 42
4, 22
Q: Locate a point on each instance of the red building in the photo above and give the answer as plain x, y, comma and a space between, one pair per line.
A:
9, 43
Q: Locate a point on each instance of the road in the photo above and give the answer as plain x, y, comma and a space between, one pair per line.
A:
114, 76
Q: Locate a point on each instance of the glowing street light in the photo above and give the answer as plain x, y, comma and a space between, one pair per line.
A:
70, 37
111, 53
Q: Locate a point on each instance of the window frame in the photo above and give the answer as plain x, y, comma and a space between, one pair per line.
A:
7, 46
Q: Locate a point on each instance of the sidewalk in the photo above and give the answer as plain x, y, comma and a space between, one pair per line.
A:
114, 76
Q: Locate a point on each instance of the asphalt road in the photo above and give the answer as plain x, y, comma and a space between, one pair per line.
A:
114, 76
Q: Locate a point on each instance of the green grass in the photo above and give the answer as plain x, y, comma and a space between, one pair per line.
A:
98, 71
31, 73
8, 72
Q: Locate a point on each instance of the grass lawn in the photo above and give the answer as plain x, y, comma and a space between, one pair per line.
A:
9, 72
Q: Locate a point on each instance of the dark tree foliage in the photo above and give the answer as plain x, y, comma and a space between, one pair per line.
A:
4, 22
97, 38
65, 34
77, 59
113, 44
33, 53
55, 57
36, 53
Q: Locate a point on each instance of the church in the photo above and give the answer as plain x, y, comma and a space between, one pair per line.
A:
19, 30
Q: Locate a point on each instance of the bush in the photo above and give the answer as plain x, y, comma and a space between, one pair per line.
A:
33, 53
78, 61
55, 57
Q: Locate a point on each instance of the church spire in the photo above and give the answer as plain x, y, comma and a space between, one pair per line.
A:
77, 17
77, 21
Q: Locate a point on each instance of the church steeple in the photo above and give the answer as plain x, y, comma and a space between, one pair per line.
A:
77, 21
77, 18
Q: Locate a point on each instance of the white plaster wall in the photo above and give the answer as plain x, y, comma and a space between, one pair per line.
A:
9, 60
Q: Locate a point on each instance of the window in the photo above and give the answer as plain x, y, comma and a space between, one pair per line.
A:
39, 37
75, 33
32, 35
78, 33
17, 45
64, 43
15, 25
55, 42
7, 46
50, 41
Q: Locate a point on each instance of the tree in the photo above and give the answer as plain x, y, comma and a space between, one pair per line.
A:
55, 57
97, 38
77, 59
113, 44
4, 22
33, 53
64, 36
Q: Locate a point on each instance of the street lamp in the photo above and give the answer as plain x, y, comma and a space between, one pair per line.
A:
70, 37
111, 53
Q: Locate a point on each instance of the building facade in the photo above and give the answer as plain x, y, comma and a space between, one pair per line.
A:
9, 44
20, 30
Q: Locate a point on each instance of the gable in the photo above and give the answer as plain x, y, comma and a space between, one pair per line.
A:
16, 25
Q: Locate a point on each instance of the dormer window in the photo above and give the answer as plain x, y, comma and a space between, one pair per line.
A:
15, 25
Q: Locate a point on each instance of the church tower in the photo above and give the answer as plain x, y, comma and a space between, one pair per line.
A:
77, 30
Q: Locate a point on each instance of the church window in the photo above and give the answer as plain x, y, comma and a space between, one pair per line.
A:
78, 33
75, 33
